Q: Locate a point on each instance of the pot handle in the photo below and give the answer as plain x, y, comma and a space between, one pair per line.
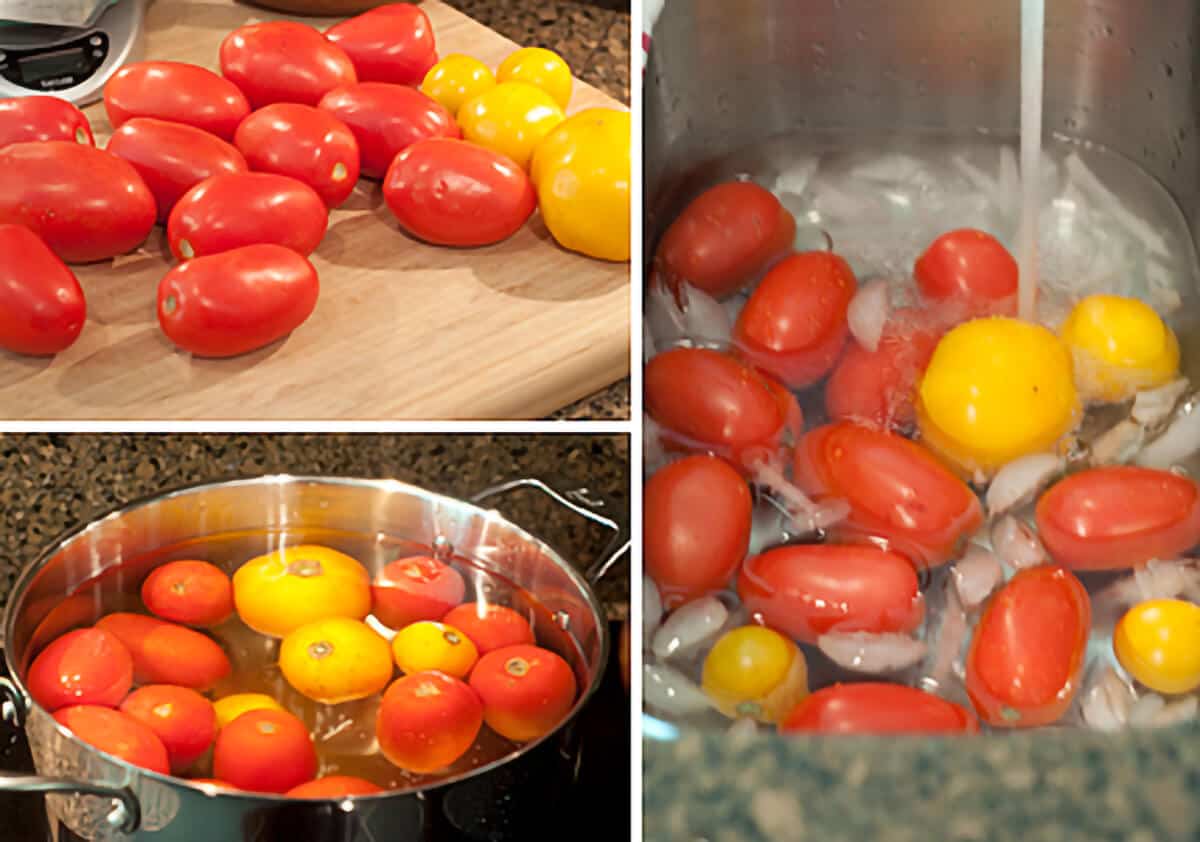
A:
584, 502
126, 814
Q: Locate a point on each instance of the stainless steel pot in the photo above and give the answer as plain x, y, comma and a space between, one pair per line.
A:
99, 797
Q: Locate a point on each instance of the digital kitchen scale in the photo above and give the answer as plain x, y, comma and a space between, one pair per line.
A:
66, 48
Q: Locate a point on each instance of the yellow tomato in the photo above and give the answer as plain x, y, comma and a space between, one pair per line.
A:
434, 646
1121, 346
996, 389
511, 118
1158, 643
581, 171
541, 68
456, 79
231, 707
281, 591
756, 672
336, 660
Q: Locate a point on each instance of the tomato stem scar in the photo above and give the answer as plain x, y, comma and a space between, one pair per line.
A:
516, 666
451, 638
305, 567
80, 136
185, 249
320, 649
339, 171
170, 304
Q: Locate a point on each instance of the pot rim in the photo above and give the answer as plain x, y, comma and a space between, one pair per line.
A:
134, 773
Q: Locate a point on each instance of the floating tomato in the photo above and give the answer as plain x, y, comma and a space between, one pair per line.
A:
183, 719
1158, 643
526, 691
490, 626
284, 61
755, 672
427, 720
412, 589
265, 751
165, 653
278, 592
42, 307
117, 734
175, 91
194, 593
231, 707
334, 786
427, 645
392, 43
25, 119
870, 707
971, 267
83, 667
335, 660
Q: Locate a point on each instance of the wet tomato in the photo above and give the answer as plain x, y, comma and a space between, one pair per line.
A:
305, 143
175, 91
265, 751
794, 325
172, 158
755, 672
427, 720
392, 43
245, 209
1119, 516
284, 61
182, 718
1158, 643
526, 691
452, 193
1027, 653
194, 593
877, 708
490, 627
427, 645
229, 708
283, 590
117, 734
334, 786
83, 667
696, 517
970, 267
165, 653
808, 590
412, 589
725, 238
236, 301
42, 308
336, 660
386, 120
899, 493
26, 119
86, 204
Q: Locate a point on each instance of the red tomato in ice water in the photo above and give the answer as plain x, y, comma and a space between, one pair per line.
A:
305, 143
175, 91
1119, 516
871, 707
284, 61
392, 43
794, 324
809, 590
413, 589
899, 493
696, 519
725, 237
25, 119
183, 719
117, 734
83, 667
972, 267
1027, 653
42, 308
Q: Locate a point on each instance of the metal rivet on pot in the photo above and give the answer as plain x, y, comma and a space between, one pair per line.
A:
563, 619
442, 548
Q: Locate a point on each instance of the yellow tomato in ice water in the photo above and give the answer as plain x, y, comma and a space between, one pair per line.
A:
1120, 345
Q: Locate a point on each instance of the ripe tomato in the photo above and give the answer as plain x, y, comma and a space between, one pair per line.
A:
284, 61
1119, 516
236, 301
870, 707
1158, 643
334, 786
117, 734
386, 120
336, 660
283, 590
25, 119
541, 68
87, 204
392, 43
972, 267
182, 718
42, 308
172, 158
456, 79
427, 645
452, 193
725, 238
83, 667
164, 653
194, 593
427, 720
898, 492
229, 708
794, 325
490, 627
265, 751
756, 672
178, 92
526, 691
809, 590
1027, 653
512, 118
696, 518
304, 143
412, 589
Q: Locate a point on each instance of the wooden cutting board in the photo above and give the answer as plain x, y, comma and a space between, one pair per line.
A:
402, 330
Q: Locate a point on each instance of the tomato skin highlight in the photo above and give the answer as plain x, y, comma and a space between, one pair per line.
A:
725, 237
42, 308
409, 590
334, 786
526, 691
26, 119
971, 267
452, 193
1026, 656
808, 590
172, 158
284, 61
115, 733
86, 204
871, 707
194, 593
182, 718
82, 667
265, 751
393, 43
490, 626
177, 92
166, 653
1119, 516
898, 492
236, 301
